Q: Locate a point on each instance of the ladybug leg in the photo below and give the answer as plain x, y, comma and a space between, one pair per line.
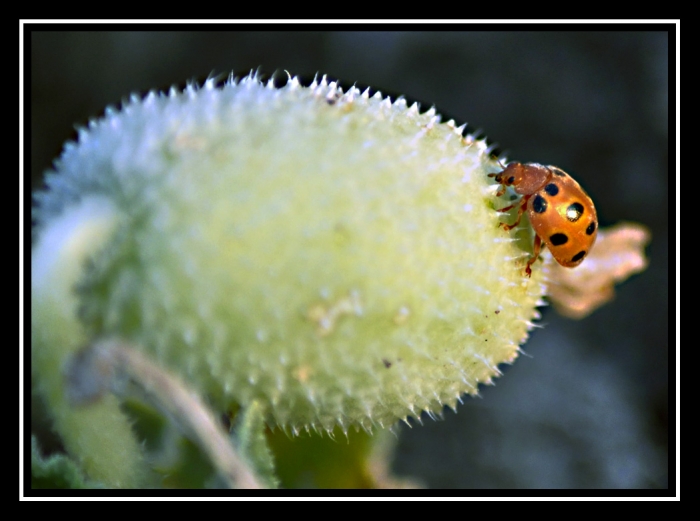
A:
521, 211
535, 255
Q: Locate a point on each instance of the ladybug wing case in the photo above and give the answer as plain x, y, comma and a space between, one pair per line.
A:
565, 219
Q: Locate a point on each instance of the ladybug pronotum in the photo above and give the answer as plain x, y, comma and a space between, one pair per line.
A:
561, 213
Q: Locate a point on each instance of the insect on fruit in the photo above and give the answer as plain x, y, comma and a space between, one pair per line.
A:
561, 213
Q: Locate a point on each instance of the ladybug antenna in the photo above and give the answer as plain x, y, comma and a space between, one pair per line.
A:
502, 166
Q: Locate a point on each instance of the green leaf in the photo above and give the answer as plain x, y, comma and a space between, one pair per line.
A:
57, 471
249, 436
315, 461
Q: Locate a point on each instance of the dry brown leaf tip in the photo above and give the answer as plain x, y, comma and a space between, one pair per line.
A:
618, 254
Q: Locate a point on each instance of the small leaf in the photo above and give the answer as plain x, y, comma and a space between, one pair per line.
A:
57, 471
249, 436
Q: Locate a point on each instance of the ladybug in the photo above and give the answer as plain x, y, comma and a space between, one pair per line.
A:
561, 213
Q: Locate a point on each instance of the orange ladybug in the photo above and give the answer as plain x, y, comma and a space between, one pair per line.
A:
561, 213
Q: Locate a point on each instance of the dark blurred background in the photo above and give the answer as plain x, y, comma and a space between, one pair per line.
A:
589, 409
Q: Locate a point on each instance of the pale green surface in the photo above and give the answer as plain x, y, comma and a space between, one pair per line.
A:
247, 210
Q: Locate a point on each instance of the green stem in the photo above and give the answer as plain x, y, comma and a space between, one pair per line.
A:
98, 436
170, 394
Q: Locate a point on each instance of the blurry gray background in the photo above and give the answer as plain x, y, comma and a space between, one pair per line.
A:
590, 408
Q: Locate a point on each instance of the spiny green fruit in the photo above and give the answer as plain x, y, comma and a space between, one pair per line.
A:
334, 256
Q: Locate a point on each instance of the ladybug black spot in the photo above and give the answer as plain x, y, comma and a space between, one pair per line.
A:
574, 212
558, 171
551, 189
580, 255
558, 239
590, 229
539, 204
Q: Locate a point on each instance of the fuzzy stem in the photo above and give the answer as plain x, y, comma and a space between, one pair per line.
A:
98, 436
173, 397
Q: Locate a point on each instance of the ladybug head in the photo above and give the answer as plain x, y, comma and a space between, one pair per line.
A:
512, 175
526, 178
508, 176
